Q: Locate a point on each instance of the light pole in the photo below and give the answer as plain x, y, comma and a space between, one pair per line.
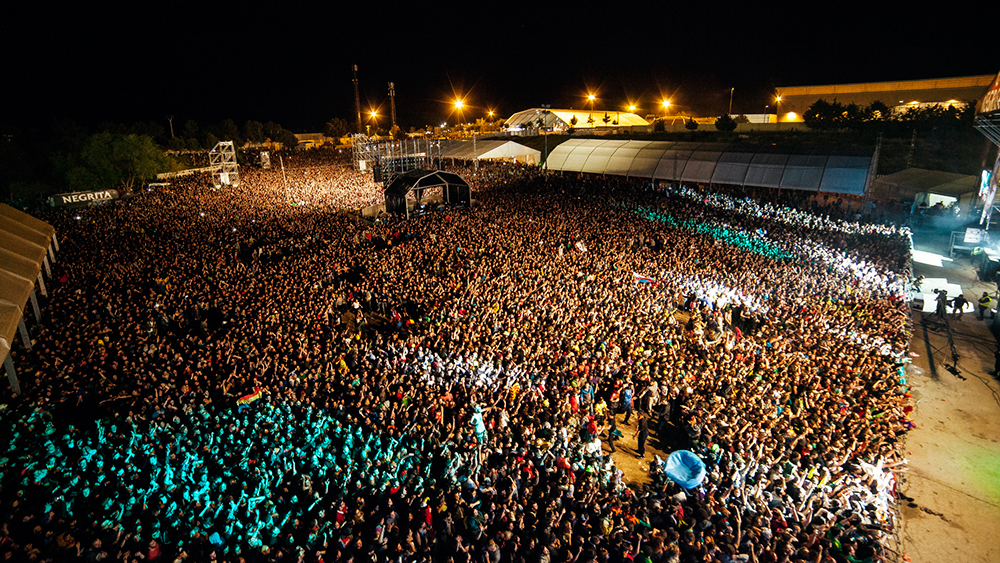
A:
777, 105
459, 104
545, 112
591, 98
731, 90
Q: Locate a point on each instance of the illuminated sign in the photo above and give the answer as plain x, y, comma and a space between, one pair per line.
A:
991, 101
83, 198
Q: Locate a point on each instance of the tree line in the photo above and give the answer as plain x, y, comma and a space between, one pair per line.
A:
826, 116
64, 156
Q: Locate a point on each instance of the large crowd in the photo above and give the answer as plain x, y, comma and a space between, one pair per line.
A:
221, 375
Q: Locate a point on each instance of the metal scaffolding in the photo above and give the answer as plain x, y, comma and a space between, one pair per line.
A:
389, 160
222, 161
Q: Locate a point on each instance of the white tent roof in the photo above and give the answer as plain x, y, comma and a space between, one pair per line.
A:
485, 149
585, 119
827, 170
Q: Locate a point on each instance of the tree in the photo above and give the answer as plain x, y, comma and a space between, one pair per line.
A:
878, 111
606, 119
115, 161
192, 144
210, 141
337, 128
287, 139
190, 128
824, 115
852, 117
690, 124
230, 132
253, 131
725, 123
573, 121
272, 131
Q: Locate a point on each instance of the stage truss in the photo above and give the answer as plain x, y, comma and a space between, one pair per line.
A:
222, 161
388, 160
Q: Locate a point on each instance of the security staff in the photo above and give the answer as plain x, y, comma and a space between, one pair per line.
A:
984, 305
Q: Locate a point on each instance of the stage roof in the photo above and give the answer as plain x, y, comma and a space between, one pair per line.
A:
906, 184
828, 169
417, 179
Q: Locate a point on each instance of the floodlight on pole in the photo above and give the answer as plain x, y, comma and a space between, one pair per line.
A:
590, 98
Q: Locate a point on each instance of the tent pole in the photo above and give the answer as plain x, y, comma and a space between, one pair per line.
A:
34, 304
11, 374
24, 333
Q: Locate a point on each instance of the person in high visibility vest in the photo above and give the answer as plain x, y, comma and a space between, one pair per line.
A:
984, 305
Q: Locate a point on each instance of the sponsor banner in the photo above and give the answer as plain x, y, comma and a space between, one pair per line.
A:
77, 199
991, 101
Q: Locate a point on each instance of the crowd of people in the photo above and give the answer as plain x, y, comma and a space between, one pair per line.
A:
223, 376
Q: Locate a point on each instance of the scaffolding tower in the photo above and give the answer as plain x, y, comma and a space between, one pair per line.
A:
222, 161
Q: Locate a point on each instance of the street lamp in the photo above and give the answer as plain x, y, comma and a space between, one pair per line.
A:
777, 105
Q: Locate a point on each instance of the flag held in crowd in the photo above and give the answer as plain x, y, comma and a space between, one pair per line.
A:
247, 399
641, 278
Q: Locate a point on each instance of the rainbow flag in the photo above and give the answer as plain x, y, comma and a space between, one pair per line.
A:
247, 399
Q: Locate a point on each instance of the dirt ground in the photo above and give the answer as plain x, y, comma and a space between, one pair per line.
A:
953, 476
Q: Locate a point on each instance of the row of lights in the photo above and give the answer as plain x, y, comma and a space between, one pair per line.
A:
459, 106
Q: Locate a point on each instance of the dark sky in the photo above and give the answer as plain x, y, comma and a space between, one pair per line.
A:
291, 64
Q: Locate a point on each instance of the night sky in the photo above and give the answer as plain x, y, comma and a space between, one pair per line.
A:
292, 65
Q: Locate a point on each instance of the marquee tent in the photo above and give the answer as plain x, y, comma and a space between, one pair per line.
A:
562, 119
490, 149
25, 247
827, 169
